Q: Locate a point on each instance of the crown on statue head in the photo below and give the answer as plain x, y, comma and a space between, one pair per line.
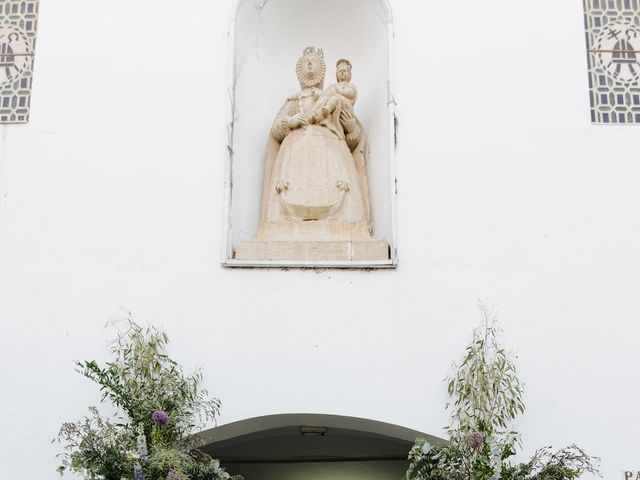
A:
315, 51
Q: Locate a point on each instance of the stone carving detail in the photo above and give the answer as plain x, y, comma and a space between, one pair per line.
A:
315, 186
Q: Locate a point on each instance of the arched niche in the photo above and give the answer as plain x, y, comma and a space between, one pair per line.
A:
267, 38
318, 446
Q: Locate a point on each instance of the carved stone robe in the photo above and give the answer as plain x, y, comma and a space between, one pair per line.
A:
315, 182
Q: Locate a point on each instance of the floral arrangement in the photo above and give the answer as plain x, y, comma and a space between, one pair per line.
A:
486, 396
158, 407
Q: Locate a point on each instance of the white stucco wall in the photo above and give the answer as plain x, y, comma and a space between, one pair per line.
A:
113, 196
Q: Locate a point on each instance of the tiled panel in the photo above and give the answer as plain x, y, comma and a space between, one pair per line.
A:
18, 25
613, 46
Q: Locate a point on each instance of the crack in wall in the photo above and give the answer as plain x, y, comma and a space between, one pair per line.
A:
239, 66
232, 120
391, 100
251, 50
396, 122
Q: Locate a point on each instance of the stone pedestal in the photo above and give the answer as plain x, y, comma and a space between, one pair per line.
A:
312, 250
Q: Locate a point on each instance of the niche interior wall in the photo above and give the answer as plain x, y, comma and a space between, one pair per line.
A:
266, 39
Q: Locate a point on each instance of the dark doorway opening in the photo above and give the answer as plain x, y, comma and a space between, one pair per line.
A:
313, 447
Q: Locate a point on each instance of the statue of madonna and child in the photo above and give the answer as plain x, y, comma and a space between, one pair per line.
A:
315, 194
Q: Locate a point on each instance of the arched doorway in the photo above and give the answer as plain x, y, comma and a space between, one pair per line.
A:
313, 447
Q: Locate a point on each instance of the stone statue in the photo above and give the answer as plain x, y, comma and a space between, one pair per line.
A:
343, 92
315, 185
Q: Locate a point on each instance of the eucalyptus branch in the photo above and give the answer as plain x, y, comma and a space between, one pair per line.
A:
160, 405
485, 397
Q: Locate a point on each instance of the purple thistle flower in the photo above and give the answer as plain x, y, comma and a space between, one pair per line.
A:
475, 440
172, 476
160, 417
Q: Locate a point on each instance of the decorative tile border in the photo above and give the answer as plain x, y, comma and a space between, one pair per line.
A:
613, 52
18, 26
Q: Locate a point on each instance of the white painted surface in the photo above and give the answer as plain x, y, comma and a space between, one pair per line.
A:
113, 195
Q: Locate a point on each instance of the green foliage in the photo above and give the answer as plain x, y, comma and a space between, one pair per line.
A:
435, 463
96, 448
486, 396
193, 465
565, 464
486, 391
140, 380
143, 378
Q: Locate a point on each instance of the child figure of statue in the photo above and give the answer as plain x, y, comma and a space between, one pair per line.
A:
343, 94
